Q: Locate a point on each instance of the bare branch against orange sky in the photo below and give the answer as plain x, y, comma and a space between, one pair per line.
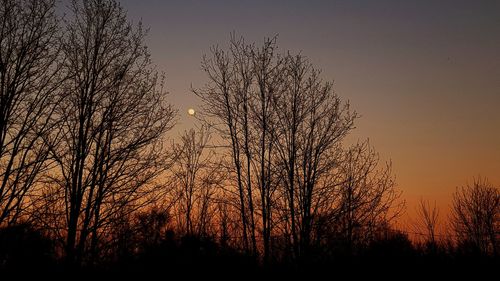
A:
425, 76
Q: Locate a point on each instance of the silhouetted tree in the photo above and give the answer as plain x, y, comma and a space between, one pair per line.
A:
29, 74
284, 124
222, 103
475, 216
313, 121
239, 95
197, 175
368, 196
359, 198
244, 82
113, 117
268, 67
427, 221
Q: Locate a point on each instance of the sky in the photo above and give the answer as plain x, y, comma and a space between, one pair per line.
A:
424, 75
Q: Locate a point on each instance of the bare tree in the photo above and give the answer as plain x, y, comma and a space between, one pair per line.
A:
113, 117
356, 201
197, 174
475, 216
280, 116
28, 76
311, 121
243, 84
269, 68
286, 127
368, 195
226, 99
427, 221
220, 103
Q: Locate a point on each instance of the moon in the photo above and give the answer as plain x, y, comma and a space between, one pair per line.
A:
191, 112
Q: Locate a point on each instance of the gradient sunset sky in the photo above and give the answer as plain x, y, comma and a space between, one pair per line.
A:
424, 75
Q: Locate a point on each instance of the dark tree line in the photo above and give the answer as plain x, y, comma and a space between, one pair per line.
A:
89, 180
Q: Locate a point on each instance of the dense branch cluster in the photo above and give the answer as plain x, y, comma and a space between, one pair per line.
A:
83, 120
285, 129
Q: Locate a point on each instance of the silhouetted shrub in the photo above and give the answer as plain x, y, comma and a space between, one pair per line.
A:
395, 245
22, 247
